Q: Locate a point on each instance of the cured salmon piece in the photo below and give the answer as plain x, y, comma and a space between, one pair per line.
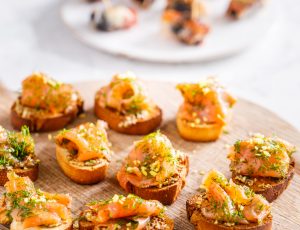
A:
152, 160
154, 169
205, 111
30, 208
16, 184
120, 207
207, 101
125, 212
126, 107
261, 156
40, 91
45, 104
43, 218
87, 141
229, 202
84, 152
64, 199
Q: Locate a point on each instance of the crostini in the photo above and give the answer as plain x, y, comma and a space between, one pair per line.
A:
182, 18
25, 207
205, 111
154, 169
125, 212
222, 204
238, 8
45, 104
265, 164
125, 106
83, 152
17, 154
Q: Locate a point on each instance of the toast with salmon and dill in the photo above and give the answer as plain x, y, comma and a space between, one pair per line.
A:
126, 107
23, 207
154, 170
125, 212
205, 111
265, 164
45, 104
222, 204
83, 152
17, 154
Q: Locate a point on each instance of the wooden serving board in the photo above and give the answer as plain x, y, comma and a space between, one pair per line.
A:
247, 117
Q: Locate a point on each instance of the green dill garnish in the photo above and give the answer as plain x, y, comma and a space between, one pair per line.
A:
237, 146
17, 145
249, 192
17, 202
54, 84
158, 150
63, 131
25, 130
275, 167
18, 148
4, 161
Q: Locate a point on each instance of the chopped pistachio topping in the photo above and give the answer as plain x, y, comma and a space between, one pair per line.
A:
160, 157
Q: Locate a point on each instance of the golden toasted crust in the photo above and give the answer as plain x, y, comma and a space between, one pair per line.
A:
67, 226
32, 173
270, 188
167, 195
44, 124
201, 223
114, 119
154, 224
205, 132
81, 174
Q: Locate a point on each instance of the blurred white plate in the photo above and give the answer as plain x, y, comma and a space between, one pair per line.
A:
148, 41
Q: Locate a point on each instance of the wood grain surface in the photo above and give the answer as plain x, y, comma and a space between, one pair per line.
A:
247, 118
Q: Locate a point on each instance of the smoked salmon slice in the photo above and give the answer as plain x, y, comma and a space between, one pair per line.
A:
123, 207
32, 207
261, 156
205, 102
229, 202
85, 142
42, 92
151, 161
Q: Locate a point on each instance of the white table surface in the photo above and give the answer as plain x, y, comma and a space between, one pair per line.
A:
33, 38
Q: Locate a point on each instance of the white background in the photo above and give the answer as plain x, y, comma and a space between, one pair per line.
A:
33, 38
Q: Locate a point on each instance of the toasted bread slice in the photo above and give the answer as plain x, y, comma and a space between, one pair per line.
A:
31, 172
44, 124
156, 223
16, 225
81, 174
204, 132
167, 194
270, 188
201, 223
114, 121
